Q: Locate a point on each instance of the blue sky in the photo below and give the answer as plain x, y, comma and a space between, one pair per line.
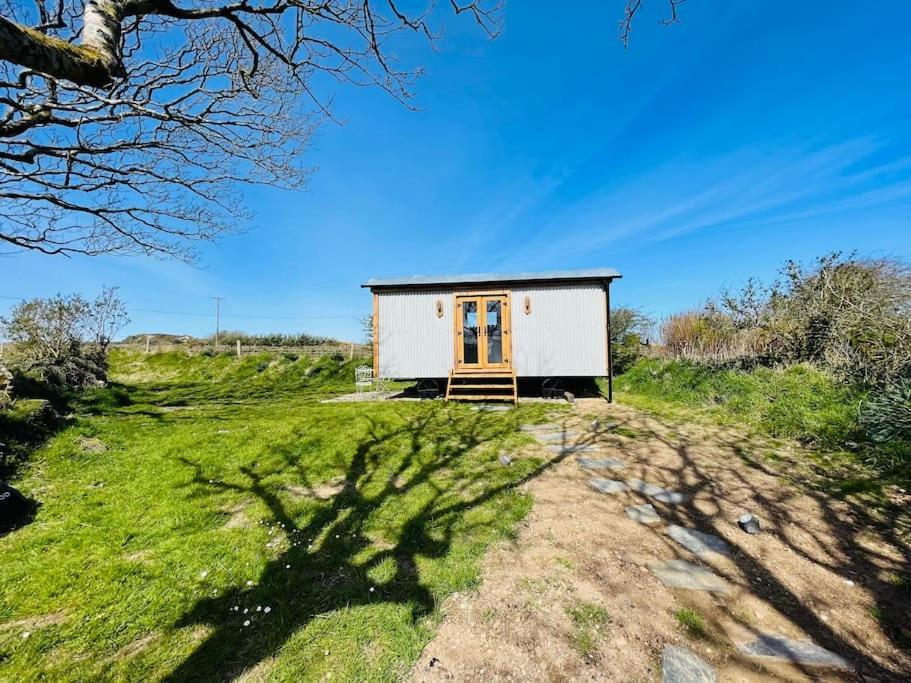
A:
710, 151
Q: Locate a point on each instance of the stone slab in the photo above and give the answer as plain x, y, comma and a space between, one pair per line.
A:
644, 514
683, 574
662, 495
545, 427
697, 542
601, 463
573, 449
607, 485
779, 648
558, 436
679, 665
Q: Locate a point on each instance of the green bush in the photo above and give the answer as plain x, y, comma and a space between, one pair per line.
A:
887, 415
23, 425
798, 402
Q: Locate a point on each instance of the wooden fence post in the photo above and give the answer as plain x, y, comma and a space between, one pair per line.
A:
351, 351
238, 348
148, 341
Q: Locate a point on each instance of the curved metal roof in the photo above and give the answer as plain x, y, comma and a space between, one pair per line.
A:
588, 274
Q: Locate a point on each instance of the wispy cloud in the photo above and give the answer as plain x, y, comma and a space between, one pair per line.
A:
745, 187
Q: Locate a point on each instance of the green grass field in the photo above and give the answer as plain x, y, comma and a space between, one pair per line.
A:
208, 516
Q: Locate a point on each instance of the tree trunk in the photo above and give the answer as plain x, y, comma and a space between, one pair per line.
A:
94, 63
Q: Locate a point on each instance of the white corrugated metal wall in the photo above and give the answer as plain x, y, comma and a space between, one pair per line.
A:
413, 341
563, 336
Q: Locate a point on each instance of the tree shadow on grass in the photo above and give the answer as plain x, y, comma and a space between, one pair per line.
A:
840, 543
407, 494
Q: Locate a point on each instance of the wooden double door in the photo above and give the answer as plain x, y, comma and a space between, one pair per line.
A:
482, 333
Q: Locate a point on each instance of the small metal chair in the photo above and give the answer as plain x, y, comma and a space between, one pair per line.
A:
363, 380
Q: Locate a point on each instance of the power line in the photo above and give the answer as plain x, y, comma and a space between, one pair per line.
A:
233, 316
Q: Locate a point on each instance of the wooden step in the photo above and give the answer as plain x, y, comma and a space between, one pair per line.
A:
467, 386
482, 375
482, 386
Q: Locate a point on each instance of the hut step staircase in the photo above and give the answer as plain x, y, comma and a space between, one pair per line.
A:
482, 386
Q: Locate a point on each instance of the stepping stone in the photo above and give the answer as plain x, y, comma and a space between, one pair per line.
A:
697, 542
679, 665
607, 485
558, 436
683, 574
573, 449
492, 409
601, 463
548, 427
644, 514
779, 648
656, 492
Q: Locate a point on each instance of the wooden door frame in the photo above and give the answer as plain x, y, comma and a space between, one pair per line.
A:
506, 321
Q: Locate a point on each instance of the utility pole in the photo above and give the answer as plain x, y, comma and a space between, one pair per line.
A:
218, 300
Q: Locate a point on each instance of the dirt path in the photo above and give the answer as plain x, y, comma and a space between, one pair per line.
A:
576, 596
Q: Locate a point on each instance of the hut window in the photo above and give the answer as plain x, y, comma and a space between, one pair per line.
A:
439, 308
527, 305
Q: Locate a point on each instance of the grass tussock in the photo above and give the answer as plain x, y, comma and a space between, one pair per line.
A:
588, 623
691, 622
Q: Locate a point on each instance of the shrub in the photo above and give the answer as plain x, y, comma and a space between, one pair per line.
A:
22, 426
628, 328
798, 402
277, 339
61, 342
887, 415
6, 387
845, 313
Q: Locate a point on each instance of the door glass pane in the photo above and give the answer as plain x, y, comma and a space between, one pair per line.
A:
494, 332
470, 331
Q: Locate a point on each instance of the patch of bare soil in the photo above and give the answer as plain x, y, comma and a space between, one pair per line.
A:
34, 623
819, 571
135, 647
323, 491
238, 518
92, 445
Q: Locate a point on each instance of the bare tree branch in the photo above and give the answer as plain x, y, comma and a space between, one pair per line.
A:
131, 125
633, 8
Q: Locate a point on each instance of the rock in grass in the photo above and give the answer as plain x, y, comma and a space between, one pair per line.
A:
505, 460
679, 665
